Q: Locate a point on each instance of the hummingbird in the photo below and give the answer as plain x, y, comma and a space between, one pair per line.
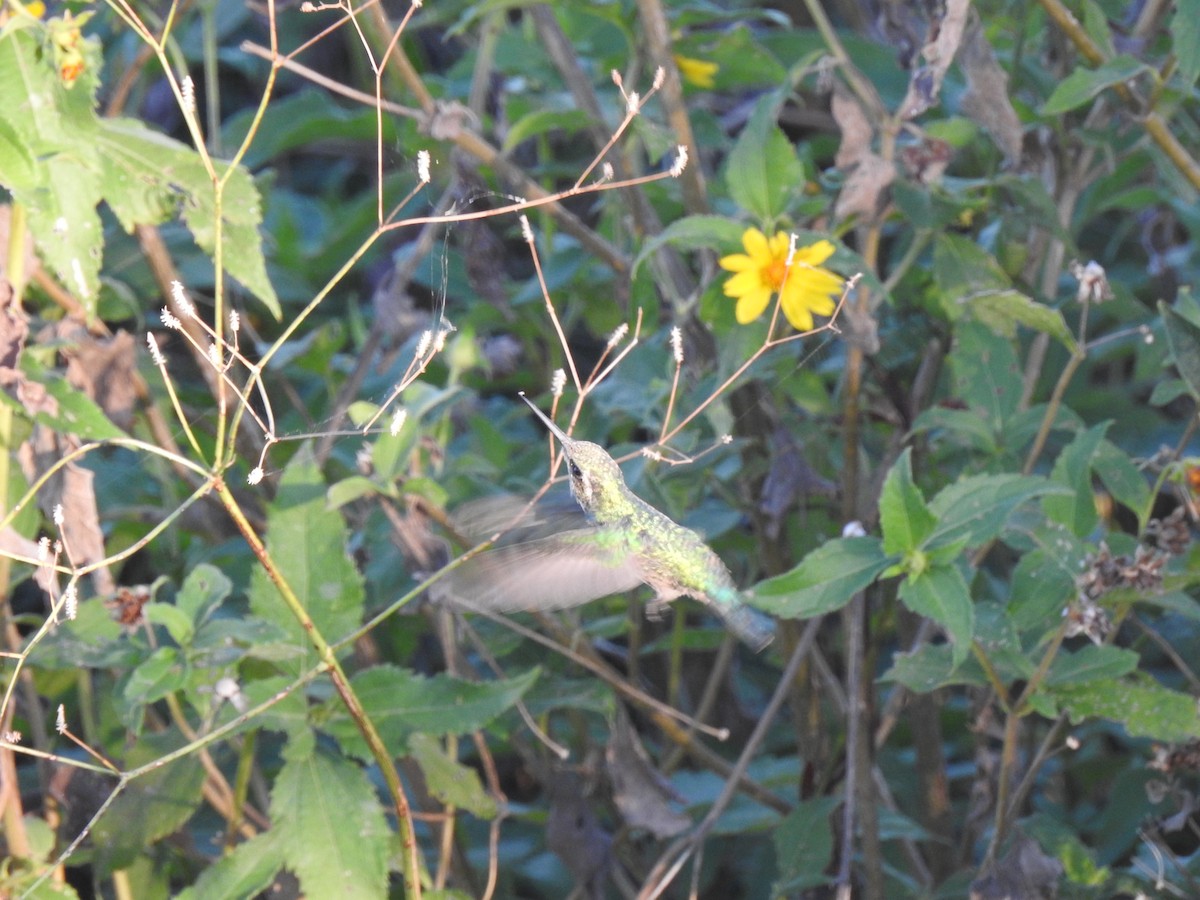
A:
624, 542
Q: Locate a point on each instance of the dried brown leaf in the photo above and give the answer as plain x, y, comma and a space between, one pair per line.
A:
106, 370
864, 186
925, 86
986, 100
856, 128
641, 793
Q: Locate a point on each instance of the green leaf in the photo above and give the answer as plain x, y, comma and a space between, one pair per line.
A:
1083, 84
963, 269
975, 509
17, 164
350, 489
175, 620
804, 846
540, 121
401, 703
77, 413
986, 374
763, 172
449, 780
695, 233
332, 831
205, 588
1076, 509
147, 174
245, 871
162, 674
1185, 40
1043, 583
941, 594
903, 515
154, 805
824, 581
1091, 663
1145, 708
1183, 337
968, 425
1122, 478
930, 667
1003, 310
307, 541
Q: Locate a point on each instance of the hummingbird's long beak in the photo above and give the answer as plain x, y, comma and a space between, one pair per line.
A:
554, 429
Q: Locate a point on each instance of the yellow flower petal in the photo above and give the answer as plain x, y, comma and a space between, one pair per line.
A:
814, 254
736, 262
756, 245
751, 305
744, 283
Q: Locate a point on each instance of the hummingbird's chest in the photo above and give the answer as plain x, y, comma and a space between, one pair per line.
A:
673, 560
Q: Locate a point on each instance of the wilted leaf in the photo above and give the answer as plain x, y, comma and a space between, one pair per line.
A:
986, 99
926, 83
640, 791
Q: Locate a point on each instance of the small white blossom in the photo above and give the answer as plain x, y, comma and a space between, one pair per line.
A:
681, 161
60, 720
43, 550
659, 76
854, 528
633, 102
235, 321
155, 353
423, 343
607, 173
677, 345
169, 320
187, 90
57, 514
12, 737
70, 602
255, 476
526, 230
558, 381
398, 419
214, 356
618, 335
651, 453
423, 166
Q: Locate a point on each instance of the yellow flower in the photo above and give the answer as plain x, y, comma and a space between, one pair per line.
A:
697, 72
763, 271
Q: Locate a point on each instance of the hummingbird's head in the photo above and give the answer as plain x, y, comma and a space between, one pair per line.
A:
596, 479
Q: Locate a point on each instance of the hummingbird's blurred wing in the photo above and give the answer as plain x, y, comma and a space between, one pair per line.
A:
568, 569
479, 519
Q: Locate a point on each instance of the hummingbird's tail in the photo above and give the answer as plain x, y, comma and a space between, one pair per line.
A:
755, 629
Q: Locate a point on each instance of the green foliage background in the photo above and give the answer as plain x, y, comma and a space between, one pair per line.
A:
957, 502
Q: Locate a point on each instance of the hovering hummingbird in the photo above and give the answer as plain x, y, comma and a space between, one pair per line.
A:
625, 542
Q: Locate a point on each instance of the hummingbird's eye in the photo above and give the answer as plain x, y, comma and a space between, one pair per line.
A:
576, 472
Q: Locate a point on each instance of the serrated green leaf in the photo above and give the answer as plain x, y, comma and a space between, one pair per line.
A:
763, 172
308, 544
205, 588
695, 233
332, 830
401, 703
941, 594
903, 515
245, 871
963, 269
976, 508
1076, 509
1091, 663
1003, 310
1183, 337
1083, 84
1143, 707
825, 580
449, 780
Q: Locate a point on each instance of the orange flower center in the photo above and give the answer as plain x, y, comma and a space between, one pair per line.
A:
774, 272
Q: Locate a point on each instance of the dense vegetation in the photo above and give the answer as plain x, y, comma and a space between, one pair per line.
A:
890, 304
